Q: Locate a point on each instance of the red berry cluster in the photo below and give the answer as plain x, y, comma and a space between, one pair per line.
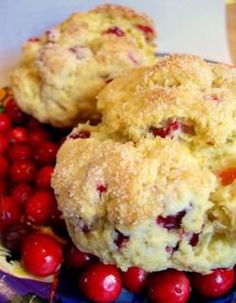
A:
27, 204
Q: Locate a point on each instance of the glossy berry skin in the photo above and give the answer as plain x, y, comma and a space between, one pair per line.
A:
39, 207
3, 143
75, 259
134, 279
22, 171
10, 213
21, 192
14, 112
38, 135
20, 151
101, 283
3, 166
46, 153
13, 236
215, 284
43, 177
41, 255
5, 122
169, 286
18, 135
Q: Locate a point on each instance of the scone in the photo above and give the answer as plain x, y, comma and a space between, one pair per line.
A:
189, 100
61, 72
144, 187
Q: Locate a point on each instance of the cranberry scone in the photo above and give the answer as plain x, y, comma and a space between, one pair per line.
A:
147, 186
61, 72
189, 100
135, 204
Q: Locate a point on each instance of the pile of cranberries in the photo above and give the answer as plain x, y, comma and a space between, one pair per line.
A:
32, 229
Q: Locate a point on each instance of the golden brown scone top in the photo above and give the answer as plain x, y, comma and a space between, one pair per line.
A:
181, 96
138, 181
61, 72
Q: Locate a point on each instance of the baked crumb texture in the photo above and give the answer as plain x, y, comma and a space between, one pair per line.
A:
61, 72
143, 188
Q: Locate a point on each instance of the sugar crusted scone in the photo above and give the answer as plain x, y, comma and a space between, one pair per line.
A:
181, 96
60, 73
144, 188
117, 200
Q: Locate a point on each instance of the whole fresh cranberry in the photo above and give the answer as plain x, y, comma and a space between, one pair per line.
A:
39, 207
134, 279
5, 122
101, 283
20, 151
21, 192
38, 135
170, 286
41, 254
43, 178
22, 171
3, 143
18, 135
215, 284
3, 166
10, 213
13, 236
45, 153
14, 112
75, 259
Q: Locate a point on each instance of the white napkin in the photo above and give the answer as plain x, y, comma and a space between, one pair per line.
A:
190, 26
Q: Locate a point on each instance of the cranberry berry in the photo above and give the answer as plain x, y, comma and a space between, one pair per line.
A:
18, 135
134, 279
41, 254
101, 283
46, 153
147, 30
170, 286
75, 259
39, 207
10, 213
20, 151
5, 123
14, 112
115, 30
171, 221
21, 192
22, 171
215, 284
43, 178
3, 143
37, 136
